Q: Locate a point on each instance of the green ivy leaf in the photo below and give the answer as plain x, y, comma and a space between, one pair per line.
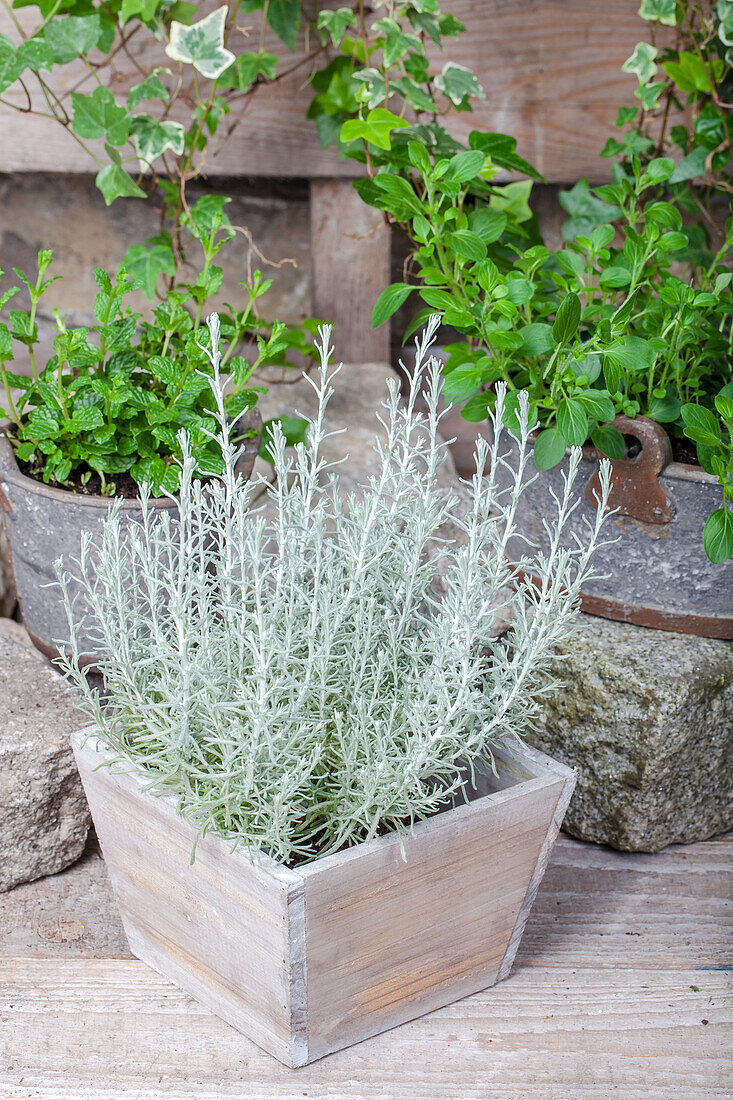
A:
549, 449
586, 210
98, 116
375, 128
513, 199
143, 9
717, 535
202, 44
10, 67
247, 68
690, 73
114, 182
284, 18
147, 262
691, 166
72, 35
336, 23
389, 301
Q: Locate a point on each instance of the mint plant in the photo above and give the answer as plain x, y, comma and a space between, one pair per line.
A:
601, 327
114, 398
303, 679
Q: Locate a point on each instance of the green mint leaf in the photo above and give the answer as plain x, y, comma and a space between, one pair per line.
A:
717, 535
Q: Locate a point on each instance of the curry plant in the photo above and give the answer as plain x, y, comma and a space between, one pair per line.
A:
113, 397
307, 678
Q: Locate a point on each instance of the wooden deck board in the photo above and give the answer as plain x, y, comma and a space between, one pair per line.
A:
622, 962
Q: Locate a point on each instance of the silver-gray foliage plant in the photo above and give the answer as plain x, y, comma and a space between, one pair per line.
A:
304, 678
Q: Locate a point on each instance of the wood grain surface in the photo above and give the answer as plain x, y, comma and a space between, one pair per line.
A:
551, 70
622, 960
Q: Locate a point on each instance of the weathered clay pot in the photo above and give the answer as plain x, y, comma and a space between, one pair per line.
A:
656, 573
43, 524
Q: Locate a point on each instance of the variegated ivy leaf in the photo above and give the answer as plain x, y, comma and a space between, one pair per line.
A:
642, 62
659, 11
202, 44
35, 54
152, 138
152, 87
459, 84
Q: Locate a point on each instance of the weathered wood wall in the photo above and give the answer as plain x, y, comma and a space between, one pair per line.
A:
551, 70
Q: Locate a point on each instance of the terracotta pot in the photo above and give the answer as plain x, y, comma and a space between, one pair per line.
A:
44, 523
656, 573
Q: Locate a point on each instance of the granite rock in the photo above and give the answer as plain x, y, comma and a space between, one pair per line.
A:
646, 716
44, 818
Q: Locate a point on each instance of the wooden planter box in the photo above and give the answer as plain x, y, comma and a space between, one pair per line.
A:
311, 960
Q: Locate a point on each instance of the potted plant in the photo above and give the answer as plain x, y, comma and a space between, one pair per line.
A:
622, 338
100, 417
103, 415
309, 736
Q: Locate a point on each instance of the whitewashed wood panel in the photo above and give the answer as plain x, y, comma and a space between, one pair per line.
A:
551, 70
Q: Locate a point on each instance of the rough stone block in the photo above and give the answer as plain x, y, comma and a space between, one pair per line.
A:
44, 818
647, 718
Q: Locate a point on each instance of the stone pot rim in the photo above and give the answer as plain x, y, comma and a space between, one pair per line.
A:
11, 472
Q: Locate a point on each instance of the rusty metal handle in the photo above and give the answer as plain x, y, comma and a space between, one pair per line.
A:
635, 488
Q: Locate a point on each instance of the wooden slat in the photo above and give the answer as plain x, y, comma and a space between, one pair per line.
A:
93, 1029
205, 924
551, 70
434, 924
350, 255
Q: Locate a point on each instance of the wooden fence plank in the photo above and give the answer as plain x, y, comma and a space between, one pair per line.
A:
551, 70
350, 256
